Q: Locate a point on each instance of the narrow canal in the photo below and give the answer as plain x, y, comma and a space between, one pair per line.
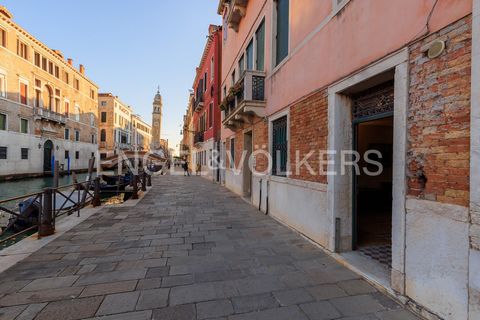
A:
11, 189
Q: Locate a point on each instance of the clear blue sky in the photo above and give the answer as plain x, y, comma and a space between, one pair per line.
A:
128, 47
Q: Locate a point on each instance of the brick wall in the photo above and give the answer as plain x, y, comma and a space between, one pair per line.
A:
439, 118
309, 132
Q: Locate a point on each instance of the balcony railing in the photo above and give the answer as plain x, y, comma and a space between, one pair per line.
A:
247, 96
198, 138
50, 115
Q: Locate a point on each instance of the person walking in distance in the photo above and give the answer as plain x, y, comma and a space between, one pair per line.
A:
185, 168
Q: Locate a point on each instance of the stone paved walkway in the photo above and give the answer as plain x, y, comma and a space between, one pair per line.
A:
189, 250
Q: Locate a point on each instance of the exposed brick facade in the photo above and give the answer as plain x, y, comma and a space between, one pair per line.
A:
309, 132
439, 118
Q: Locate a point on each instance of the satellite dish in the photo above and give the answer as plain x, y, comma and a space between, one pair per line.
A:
436, 49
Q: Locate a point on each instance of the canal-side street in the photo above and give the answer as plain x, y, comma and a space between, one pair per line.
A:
189, 249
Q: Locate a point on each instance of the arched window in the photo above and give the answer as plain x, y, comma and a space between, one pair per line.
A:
47, 98
103, 135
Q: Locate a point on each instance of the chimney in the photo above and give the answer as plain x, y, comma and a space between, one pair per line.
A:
82, 69
70, 61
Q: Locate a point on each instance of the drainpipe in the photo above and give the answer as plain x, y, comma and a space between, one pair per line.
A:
268, 189
260, 197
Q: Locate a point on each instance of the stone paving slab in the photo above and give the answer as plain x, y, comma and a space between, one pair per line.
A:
188, 250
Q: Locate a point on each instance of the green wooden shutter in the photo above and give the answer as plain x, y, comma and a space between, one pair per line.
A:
260, 36
283, 8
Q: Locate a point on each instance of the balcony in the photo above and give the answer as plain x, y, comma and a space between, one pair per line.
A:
48, 115
199, 102
198, 138
246, 99
236, 12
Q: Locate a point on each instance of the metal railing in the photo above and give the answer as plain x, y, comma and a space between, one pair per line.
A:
249, 88
50, 115
38, 211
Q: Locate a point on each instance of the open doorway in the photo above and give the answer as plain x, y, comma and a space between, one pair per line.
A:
373, 198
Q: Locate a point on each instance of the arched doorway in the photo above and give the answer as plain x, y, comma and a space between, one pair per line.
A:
48, 98
47, 156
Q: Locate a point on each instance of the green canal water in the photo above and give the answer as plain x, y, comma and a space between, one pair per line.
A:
11, 189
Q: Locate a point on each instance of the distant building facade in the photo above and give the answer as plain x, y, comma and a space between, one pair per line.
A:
115, 125
207, 117
142, 134
48, 108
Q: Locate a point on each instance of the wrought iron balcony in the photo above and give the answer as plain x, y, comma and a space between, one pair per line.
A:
247, 97
49, 115
198, 138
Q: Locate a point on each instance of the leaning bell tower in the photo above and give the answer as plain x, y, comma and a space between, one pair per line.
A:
157, 120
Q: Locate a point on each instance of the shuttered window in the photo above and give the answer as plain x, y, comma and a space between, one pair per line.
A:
3, 38
250, 56
23, 125
260, 38
3, 121
241, 65
104, 117
282, 34
23, 93
279, 147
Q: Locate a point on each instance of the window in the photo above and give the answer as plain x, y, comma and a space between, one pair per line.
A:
3, 38
23, 92
103, 135
93, 139
77, 135
44, 63
250, 55
50, 67
103, 103
103, 156
234, 78
282, 30
67, 107
23, 125
57, 72
3, 121
77, 113
279, 147
67, 78
232, 152
38, 59
92, 94
77, 155
3, 85
92, 119
67, 154
3, 152
22, 49
66, 136
260, 45
210, 115
205, 78
24, 153
104, 116
76, 84
241, 66
212, 69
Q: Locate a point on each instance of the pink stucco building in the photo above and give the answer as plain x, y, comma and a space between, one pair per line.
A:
310, 82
